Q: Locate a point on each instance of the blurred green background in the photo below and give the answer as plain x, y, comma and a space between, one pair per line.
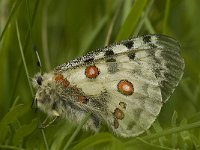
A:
62, 30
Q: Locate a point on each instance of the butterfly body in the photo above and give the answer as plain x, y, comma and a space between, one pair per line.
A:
123, 85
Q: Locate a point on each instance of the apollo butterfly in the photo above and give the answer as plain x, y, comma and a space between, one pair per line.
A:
123, 85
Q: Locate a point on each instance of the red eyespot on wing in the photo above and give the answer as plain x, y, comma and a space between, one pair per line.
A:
125, 87
91, 72
60, 79
65, 83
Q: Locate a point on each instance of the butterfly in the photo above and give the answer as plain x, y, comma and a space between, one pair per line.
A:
123, 85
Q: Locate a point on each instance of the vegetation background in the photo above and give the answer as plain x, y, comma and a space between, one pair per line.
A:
62, 30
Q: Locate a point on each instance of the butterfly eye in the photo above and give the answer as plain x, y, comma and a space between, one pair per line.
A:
39, 80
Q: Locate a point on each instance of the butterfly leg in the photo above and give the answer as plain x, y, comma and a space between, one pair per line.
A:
46, 124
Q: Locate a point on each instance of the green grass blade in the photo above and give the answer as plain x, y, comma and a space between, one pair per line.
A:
149, 26
25, 50
173, 130
77, 131
23, 58
93, 140
168, 132
141, 144
167, 9
10, 147
45, 37
110, 29
15, 7
45, 139
86, 43
144, 17
131, 21
10, 117
23, 131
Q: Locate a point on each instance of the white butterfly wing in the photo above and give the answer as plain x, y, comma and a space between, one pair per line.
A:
126, 84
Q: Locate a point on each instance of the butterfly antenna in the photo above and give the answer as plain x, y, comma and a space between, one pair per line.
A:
39, 64
31, 37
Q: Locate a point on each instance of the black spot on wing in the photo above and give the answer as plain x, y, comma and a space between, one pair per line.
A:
111, 62
128, 44
109, 53
147, 39
131, 56
112, 65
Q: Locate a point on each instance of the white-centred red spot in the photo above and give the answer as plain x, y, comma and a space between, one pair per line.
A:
125, 87
91, 72
60, 79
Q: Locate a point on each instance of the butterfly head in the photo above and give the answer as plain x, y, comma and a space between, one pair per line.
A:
49, 87
43, 86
